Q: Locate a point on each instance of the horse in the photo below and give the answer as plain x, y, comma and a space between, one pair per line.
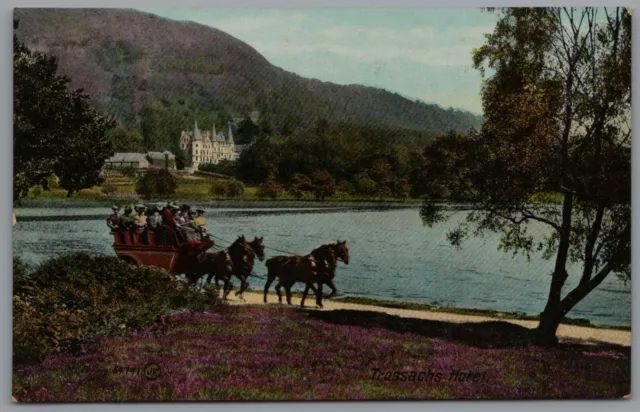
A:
196, 262
289, 270
243, 254
327, 257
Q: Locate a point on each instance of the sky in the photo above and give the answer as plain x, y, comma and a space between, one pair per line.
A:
421, 54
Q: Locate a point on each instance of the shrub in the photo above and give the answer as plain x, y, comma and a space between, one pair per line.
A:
366, 186
300, 184
345, 187
220, 188
71, 298
36, 191
324, 185
270, 188
157, 182
236, 187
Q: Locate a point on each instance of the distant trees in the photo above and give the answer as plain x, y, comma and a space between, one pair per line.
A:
55, 129
345, 152
557, 122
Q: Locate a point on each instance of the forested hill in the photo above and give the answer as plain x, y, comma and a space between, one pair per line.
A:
131, 61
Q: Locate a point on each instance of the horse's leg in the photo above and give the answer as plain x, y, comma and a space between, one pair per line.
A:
227, 288
278, 286
304, 295
267, 285
319, 294
332, 285
287, 288
243, 286
313, 289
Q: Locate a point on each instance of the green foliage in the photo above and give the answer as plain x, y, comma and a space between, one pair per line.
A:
227, 188
300, 184
74, 297
270, 188
220, 188
125, 139
55, 129
224, 167
557, 121
157, 183
236, 187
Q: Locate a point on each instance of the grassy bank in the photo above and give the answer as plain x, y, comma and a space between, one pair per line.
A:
275, 353
193, 188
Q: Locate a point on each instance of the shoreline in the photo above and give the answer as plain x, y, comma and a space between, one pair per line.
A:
567, 332
425, 307
225, 203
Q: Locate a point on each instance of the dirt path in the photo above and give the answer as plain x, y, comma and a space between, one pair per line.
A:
565, 332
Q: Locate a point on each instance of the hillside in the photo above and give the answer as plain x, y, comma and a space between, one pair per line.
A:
128, 60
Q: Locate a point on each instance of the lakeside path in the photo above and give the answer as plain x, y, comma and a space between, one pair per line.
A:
589, 335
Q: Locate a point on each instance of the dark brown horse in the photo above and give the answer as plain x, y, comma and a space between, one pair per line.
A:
243, 254
289, 270
196, 262
327, 257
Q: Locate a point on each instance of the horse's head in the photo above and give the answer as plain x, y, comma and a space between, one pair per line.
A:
258, 247
342, 251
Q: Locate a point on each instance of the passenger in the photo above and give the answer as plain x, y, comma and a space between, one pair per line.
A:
140, 223
201, 224
154, 220
184, 214
168, 225
192, 220
140, 219
177, 224
114, 221
127, 219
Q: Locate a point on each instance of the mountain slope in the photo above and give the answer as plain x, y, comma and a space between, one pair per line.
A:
127, 59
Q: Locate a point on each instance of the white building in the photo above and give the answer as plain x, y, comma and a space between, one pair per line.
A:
208, 147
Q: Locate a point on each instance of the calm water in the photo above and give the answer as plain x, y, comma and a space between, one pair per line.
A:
392, 255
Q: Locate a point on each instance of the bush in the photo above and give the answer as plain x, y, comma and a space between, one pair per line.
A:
345, 187
74, 297
219, 188
300, 184
366, 186
157, 182
236, 187
270, 188
324, 185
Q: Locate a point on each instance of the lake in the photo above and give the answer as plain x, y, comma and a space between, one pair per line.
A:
393, 256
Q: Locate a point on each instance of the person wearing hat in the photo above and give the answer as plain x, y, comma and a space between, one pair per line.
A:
127, 219
140, 220
168, 225
201, 224
183, 216
114, 221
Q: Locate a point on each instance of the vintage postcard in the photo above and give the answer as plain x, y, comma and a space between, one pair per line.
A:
321, 204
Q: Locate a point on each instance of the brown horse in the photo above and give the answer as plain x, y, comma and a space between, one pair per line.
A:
327, 257
289, 270
196, 262
243, 254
